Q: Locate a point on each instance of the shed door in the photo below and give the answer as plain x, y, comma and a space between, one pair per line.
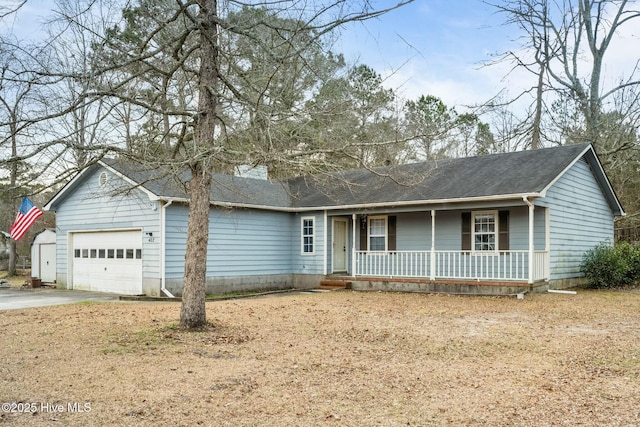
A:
108, 261
47, 259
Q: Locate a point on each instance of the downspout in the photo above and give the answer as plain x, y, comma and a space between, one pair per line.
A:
531, 246
163, 224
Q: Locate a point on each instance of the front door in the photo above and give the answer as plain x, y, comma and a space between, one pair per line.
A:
339, 245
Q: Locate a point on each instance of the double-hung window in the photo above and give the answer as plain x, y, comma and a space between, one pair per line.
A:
308, 235
485, 228
378, 233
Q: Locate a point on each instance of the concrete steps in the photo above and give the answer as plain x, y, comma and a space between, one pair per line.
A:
334, 284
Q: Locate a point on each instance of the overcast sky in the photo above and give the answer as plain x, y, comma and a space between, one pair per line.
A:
430, 47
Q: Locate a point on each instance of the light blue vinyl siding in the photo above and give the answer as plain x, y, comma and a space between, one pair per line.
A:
519, 228
413, 231
448, 230
242, 242
307, 263
580, 218
114, 207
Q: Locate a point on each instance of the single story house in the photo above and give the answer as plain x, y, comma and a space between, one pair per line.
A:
501, 223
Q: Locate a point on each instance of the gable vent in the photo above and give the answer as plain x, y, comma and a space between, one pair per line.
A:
102, 179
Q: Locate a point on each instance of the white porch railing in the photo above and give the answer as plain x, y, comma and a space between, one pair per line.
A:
463, 265
541, 270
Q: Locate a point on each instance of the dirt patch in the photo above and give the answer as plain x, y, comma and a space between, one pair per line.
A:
339, 358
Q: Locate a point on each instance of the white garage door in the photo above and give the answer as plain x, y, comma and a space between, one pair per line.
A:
108, 261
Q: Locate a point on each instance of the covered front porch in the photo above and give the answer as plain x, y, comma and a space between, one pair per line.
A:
474, 245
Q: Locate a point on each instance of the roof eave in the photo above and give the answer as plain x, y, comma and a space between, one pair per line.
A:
152, 196
357, 206
474, 199
53, 202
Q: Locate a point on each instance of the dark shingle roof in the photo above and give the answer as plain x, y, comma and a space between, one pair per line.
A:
523, 172
224, 188
497, 175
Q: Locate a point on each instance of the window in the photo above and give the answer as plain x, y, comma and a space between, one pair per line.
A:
308, 235
484, 231
377, 233
108, 253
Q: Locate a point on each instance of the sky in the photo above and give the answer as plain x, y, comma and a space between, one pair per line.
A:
434, 47
428, 47
438, 47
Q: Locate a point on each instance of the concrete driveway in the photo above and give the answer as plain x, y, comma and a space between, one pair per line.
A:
16, 298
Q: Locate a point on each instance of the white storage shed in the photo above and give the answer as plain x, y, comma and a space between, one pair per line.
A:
43, 256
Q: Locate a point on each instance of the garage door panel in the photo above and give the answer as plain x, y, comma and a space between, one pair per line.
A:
108, 261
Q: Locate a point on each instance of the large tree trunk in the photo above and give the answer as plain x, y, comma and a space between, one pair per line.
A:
193, 312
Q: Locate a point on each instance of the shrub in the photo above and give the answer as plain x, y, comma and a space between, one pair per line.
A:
607, 266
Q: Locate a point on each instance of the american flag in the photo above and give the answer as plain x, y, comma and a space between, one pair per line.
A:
27, 215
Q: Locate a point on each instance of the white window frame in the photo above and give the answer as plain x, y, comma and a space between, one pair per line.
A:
496, 231
312, 235
386, 233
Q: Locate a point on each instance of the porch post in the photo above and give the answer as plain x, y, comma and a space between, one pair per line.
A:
325, 243
353, 245
432, 263
547, 245
531, 246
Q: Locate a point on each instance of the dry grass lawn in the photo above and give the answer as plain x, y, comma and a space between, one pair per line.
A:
341, 358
